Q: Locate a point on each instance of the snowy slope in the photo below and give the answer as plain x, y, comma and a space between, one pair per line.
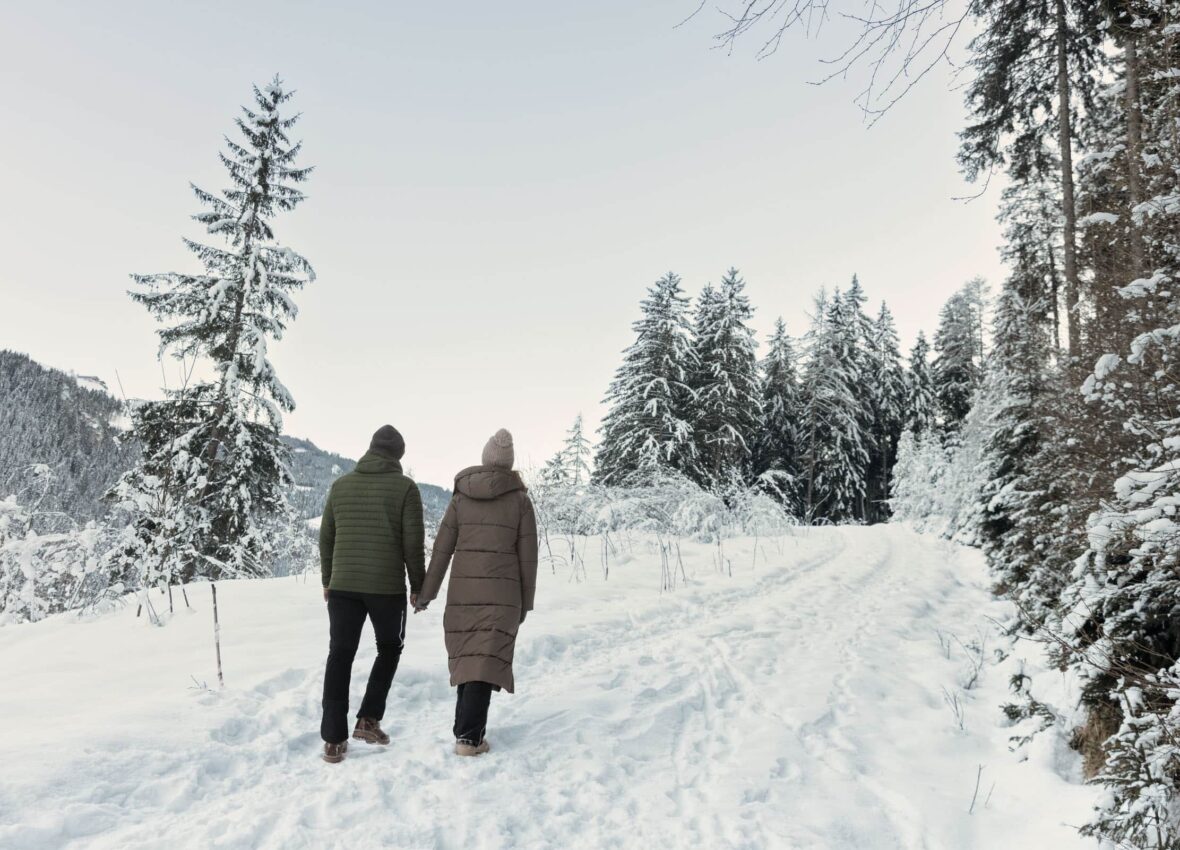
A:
798, 703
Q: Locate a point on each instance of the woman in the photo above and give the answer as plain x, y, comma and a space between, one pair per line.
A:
491, 530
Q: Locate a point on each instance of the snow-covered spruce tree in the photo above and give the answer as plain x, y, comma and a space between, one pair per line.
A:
958, 361
724, 379
833, 455
647, 431
208, 498
578, 454
862, 326
861, 334
776, 450
1012, 496
565, 500
885, 382
921, 403
570, 467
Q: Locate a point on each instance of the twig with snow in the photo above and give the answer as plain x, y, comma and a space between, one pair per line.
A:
975, 795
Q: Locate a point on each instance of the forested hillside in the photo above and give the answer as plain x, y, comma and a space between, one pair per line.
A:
314, 470
73, 427
79, 430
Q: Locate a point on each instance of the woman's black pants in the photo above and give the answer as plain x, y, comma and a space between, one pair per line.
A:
471, 711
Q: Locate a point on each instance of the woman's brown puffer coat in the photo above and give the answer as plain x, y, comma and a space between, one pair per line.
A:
491, 530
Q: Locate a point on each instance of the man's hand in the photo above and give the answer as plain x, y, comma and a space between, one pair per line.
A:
325, 594
414, 603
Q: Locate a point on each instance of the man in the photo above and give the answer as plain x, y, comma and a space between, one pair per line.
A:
371, 540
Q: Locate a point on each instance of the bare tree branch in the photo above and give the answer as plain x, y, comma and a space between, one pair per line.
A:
899, 46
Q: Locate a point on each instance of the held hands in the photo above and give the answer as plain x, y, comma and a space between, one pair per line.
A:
413, 601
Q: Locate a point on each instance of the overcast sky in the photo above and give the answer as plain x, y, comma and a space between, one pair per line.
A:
496, 185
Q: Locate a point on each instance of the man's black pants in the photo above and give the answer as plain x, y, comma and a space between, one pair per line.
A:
346, 616
471, 711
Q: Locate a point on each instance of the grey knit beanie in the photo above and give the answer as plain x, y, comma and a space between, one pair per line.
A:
388, 441
499, 451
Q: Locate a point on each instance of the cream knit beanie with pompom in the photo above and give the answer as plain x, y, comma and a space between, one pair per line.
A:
499, 452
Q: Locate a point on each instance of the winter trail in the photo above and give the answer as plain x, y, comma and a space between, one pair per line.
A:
806, 701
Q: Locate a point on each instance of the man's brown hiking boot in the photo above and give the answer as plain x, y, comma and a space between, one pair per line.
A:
464, 749
369, 730
334, 753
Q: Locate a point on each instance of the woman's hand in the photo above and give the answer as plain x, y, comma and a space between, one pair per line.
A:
414, 603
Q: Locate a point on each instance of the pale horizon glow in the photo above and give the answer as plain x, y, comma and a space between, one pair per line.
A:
495, 189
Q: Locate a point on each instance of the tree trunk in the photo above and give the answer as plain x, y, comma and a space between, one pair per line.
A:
809, 506
1134, 148
1068, 205
1055, 302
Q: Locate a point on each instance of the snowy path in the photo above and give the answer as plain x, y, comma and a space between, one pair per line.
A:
798, 703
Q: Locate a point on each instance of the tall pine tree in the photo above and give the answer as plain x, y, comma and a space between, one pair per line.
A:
647, 431
1018, 377
728, 408
209, 497
833, 444
776, 450
921, 405
571, 465
958, 360
885, 385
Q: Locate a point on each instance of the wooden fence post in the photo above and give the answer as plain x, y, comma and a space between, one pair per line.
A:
217, 637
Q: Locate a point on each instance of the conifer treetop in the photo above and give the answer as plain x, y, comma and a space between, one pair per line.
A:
229, 313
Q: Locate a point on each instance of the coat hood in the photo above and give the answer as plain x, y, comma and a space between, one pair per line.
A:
487, 482
372, 462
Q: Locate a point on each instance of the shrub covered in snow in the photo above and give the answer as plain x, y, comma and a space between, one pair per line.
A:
49, 563
671, 506
939, 487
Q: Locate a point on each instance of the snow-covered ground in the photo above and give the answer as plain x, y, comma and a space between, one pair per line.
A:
808, 700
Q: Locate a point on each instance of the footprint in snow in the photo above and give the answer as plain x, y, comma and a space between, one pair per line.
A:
284, 681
